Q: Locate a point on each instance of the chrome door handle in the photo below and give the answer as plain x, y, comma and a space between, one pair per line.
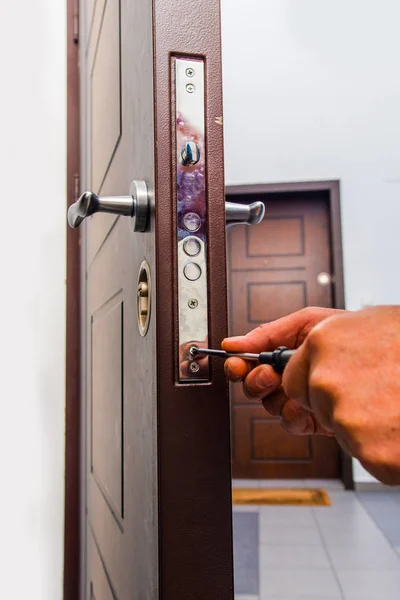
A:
244, 214
136, 206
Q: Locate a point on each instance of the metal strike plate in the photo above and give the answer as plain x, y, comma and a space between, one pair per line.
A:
191, 218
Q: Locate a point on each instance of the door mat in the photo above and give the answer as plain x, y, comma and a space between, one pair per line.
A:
287, 497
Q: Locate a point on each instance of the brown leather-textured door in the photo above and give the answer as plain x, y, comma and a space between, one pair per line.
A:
156, 515
276, 268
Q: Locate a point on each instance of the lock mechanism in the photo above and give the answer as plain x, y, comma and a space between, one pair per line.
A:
191, 210
191, 206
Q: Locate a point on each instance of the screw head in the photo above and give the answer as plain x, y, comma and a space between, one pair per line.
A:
190, 88
194, 367
193, 303
189, 72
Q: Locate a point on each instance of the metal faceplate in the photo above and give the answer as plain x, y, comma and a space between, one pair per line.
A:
191, 218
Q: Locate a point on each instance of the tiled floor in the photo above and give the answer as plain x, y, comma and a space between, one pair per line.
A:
347, 551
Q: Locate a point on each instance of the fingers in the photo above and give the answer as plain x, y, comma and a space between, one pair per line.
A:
237, 369
261, 382
296, 419
300, 421
258, 382
289, 331
275, 402
296, 375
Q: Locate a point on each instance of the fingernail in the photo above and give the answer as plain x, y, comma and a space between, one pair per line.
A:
230, 373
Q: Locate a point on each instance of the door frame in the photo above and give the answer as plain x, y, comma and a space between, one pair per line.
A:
72, 499
333, 189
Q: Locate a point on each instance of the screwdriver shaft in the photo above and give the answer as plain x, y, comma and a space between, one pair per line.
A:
222, 354
278, 359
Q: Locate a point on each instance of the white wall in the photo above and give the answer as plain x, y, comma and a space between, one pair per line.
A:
312, 92
32, 302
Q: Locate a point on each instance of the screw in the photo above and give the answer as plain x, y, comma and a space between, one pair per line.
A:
194, 367
190, 72
193, 303
193, 351
190, 88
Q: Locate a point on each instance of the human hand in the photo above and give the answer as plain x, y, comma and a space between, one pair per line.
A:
262, 382
345, 377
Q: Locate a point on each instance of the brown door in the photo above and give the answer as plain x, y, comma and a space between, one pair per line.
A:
276, 268
157, 506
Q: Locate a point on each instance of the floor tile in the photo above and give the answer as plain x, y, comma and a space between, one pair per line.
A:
343, 497
383, 513
384, 509
340, 513
245, 552
351, 537
344, 519
391, 532
327, 484
355, 522
378, 556
302, 583
352, 528
379, 496
370, 585
246, 508
291, 535
293, 557
289, 553
287, 516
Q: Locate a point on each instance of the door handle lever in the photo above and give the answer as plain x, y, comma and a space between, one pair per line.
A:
244, 214
136, 206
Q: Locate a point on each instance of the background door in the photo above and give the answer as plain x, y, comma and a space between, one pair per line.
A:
157, 505
279, 267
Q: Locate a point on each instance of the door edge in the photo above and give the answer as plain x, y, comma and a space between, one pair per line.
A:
72, 497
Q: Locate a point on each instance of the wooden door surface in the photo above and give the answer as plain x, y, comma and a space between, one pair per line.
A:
277, 268
156, 509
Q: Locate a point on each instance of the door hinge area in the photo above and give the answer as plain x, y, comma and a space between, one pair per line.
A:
75, 25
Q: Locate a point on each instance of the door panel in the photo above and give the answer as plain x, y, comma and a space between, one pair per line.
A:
273, 270
157, 514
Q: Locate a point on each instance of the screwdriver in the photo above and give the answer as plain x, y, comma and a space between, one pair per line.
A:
278, 359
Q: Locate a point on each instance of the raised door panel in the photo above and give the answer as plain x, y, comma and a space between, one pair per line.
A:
262, 450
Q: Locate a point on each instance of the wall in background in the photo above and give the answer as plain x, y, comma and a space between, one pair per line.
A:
32, 302
312, 92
